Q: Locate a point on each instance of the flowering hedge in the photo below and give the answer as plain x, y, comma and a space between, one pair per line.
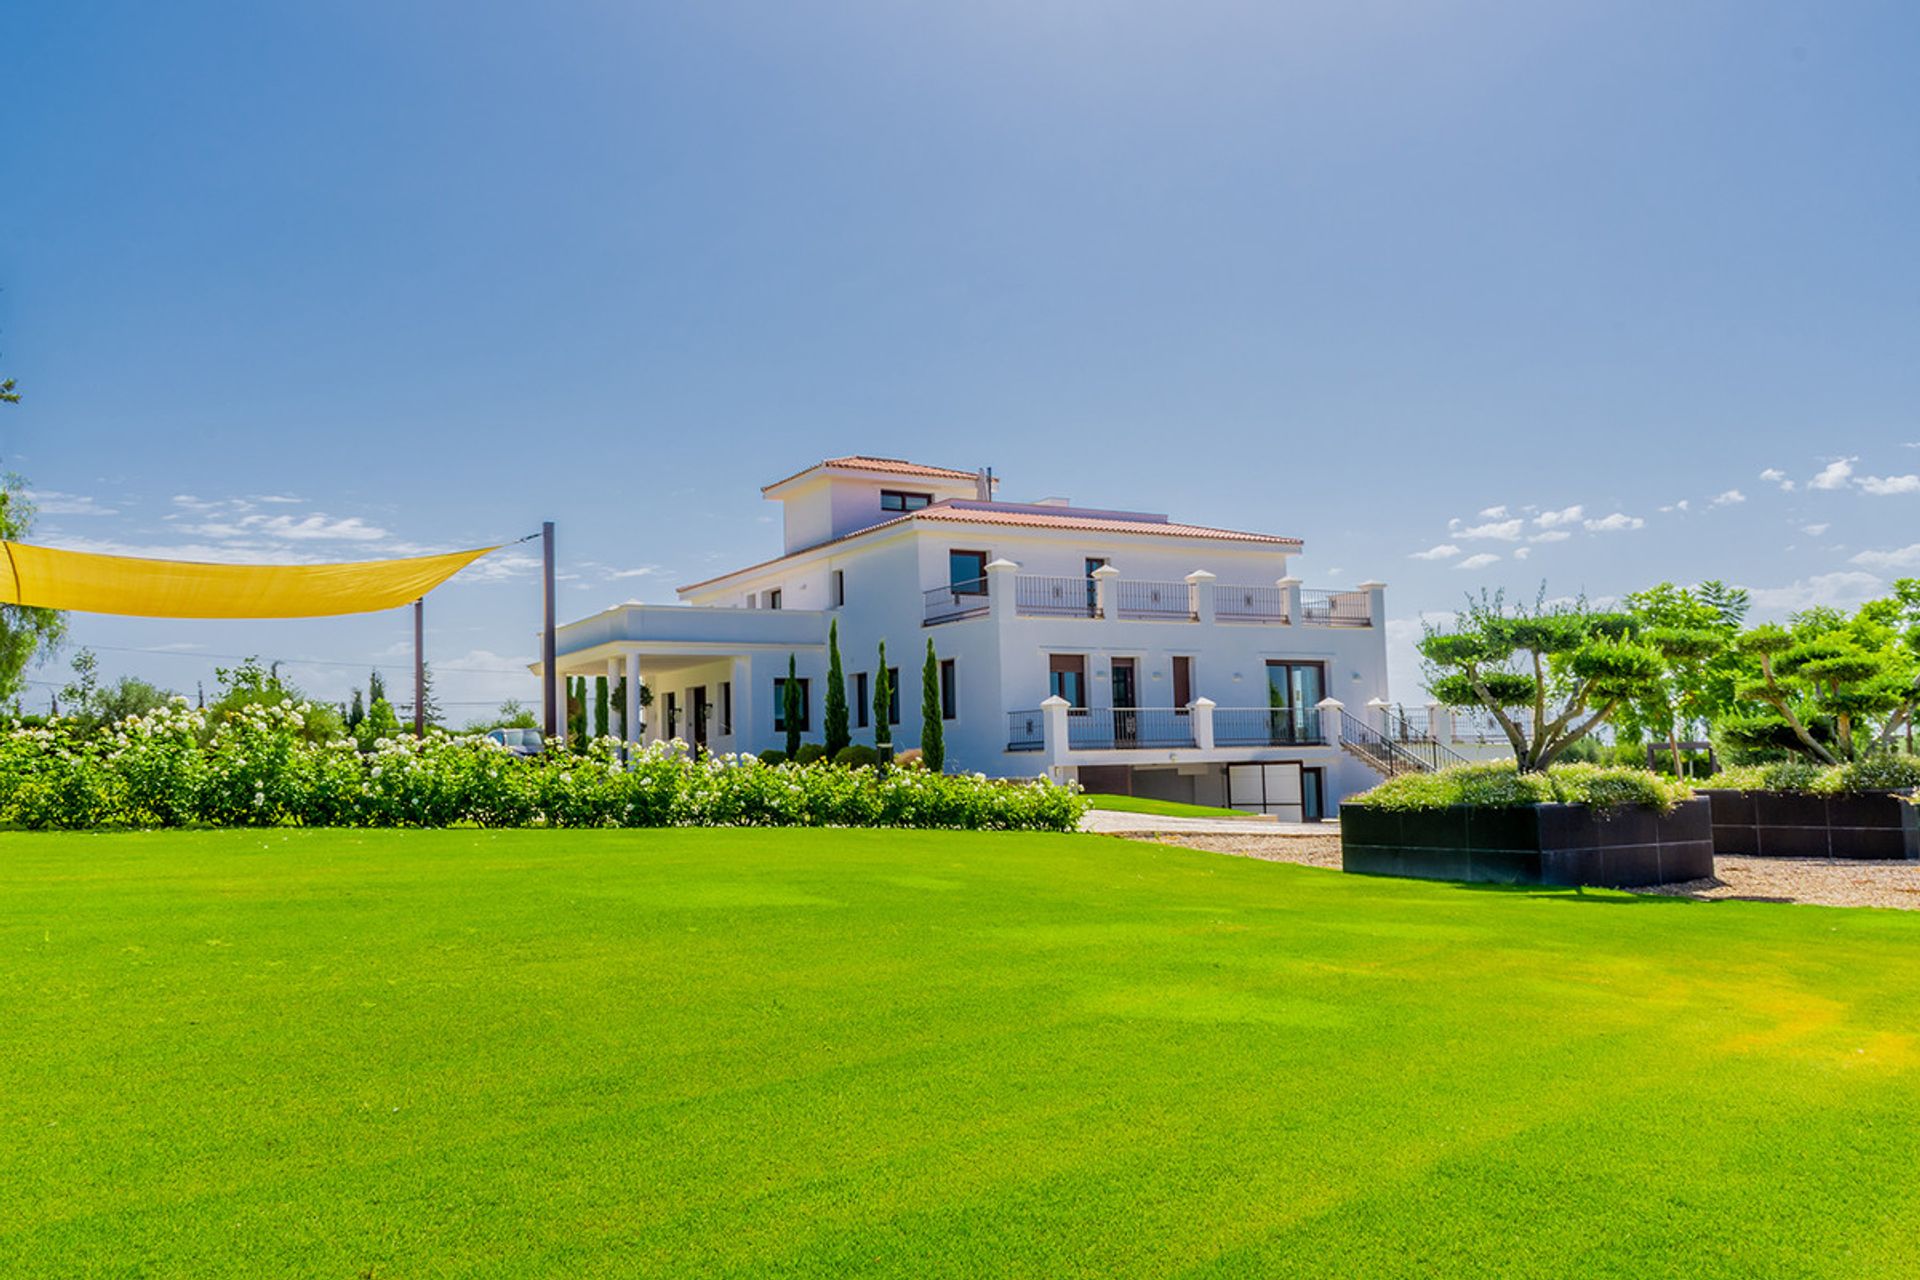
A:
256, 768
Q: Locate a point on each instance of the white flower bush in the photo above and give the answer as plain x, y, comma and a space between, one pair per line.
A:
259, 767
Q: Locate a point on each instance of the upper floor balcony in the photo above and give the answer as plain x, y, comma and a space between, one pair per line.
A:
1105, 594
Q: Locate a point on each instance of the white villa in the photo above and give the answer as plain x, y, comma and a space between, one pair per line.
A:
1135, 653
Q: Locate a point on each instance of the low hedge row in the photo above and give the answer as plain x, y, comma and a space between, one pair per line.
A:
1501, 786
1876, 773
258, 769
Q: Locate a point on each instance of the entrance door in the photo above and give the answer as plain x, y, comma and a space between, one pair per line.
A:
1126, 720
1313, 794
698, 696
1294, 689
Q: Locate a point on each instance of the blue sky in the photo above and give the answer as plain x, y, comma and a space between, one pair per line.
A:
341, 280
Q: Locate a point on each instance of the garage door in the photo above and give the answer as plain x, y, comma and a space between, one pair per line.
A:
1279, 789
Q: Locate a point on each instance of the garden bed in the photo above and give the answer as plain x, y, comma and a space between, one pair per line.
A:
1791, 824
1547, 844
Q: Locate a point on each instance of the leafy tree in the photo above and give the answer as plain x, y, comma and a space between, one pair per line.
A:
430, 712
837, 735
251, 684
790, 707
376, 687
356, 710
1842, 686
882, 702
381, 722
1565, 667
7, 393
27, 634
577, 711
94, 703
1693, 630
933, 738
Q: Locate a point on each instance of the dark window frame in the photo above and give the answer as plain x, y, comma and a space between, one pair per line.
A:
949, 690
862, 704
780, 704
893, 695
904, 500
976, 585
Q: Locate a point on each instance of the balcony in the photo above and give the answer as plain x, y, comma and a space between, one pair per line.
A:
955, 601
1200, 727
1108, 596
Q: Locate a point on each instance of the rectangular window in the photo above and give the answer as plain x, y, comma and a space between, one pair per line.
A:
839, 588
893, 695
780, 705
726, 707
949, 704
773, 599
897, 500
1067, 677
862, 704
1182, 682
967, 572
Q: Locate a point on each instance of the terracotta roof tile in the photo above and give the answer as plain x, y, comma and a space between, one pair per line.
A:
868, 462
1092, 524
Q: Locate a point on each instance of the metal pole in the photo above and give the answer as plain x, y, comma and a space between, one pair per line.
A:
549, 658
420, 667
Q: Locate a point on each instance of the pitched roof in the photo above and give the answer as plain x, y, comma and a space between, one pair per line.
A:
1007, 514
868, 462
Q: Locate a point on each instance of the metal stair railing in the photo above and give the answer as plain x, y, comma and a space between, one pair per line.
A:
1391, 757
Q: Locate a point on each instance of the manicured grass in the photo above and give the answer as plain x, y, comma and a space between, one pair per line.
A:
1161, 808
815, 1053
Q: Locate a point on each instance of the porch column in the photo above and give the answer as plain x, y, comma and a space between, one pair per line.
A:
1290, 598
1330, 709
630, 710
1000, 588
1440, 722
744, 725
1376, 603
1053, 731
1200, 710
1200, 595
1382, 715
1105, 598
566, 720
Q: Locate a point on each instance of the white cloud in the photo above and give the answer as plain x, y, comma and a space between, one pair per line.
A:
1551, 535
1882, 486
1566, 515
1774, 475
502, 566
1681, 505
1442, 552
1521, 553
1842, 589
1494, 513
51, 502
1907, 557
644, 571
1730, 498
1814, 530
1618, 522
1500, 530
1480, 561
1834, 475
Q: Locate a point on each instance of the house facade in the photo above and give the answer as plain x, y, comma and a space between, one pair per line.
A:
1124, 649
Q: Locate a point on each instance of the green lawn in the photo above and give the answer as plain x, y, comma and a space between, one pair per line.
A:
826, 1053
1161, 808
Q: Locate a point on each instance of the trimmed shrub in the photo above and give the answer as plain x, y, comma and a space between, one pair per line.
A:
1500, 786
259, 768
1875, 773
856, 755
773, 755
810, 753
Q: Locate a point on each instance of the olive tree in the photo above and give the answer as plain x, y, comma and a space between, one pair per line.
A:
1693, 630
1841, 686
1549, 674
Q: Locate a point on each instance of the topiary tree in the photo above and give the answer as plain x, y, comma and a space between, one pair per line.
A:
790, 707
933, 741
599, 706
882, 702
1693, 630
1568, 666
834, 728
1843, 687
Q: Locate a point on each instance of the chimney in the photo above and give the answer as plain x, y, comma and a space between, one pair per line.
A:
983, 484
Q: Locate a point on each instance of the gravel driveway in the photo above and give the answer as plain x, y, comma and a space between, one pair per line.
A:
1821, 881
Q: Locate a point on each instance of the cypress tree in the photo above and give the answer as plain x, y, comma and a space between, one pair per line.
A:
790, 708
356, 711
882, 700
933, 738
376, 687
599, 706
837, 733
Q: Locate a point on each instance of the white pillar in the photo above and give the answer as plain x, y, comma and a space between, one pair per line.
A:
1200, 595
1440, 722
1201, 712
1000, 599
1382, 715
630, 709
566, 721
1330, 710
1053, 730
1104, 595
1290, 599
744, 725
1376, 603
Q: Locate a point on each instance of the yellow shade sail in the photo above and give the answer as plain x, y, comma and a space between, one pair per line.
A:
79, 580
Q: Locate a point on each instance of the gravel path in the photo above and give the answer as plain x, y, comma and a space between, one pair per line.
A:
1820, 881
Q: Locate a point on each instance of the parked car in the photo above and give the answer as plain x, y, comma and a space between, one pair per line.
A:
522, 742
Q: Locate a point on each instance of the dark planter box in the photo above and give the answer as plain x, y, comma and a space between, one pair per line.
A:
1551, 844
1784, 824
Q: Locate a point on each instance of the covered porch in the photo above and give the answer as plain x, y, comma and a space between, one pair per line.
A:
709, 671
